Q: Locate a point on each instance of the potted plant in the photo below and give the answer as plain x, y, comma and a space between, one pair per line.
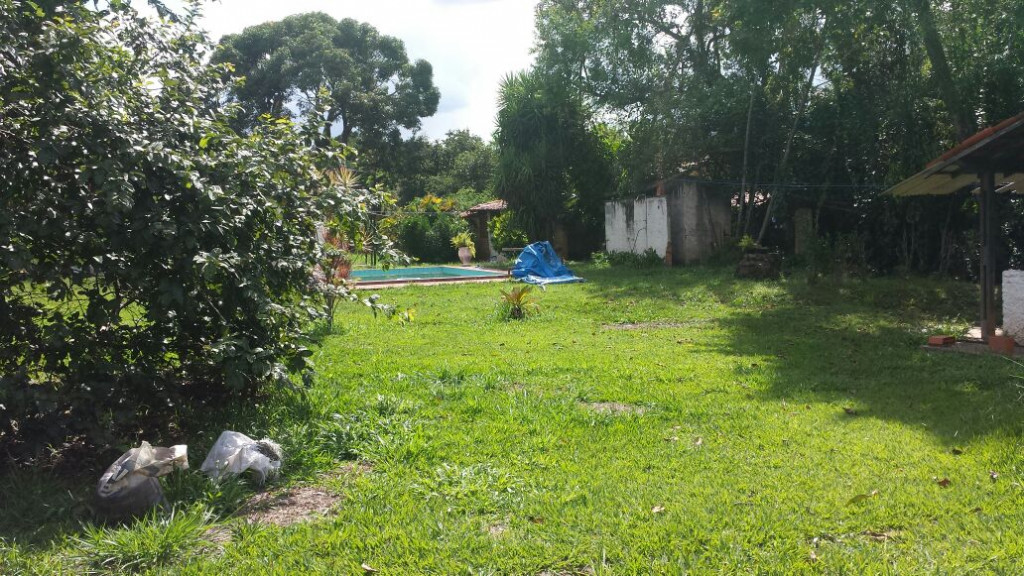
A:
467, 249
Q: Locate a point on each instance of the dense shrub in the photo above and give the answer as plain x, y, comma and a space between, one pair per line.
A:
150, 257
426, 235
648, 259
505, 233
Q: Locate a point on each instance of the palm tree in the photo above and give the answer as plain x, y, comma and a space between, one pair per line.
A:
543, 146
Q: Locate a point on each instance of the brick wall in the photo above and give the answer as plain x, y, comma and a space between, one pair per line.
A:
1013, 304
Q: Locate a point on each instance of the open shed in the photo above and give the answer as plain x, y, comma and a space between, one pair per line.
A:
990, 162
478, 217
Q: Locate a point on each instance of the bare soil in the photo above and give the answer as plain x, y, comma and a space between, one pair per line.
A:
614, 408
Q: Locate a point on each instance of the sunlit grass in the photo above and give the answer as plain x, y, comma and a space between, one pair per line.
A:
661, 421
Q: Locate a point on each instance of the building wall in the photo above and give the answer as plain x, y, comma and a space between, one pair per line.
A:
696, 222
1013, 304
700, 221
635, 226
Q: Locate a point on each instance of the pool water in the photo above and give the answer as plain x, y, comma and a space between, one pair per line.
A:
423, 274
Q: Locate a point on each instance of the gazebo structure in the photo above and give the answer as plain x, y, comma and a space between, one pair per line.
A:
478, 217
988, 163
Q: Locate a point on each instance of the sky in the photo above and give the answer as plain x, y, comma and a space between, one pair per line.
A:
472, 44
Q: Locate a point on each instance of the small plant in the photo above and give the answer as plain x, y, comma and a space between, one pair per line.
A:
465, 240
331, 276
746, 243
600, 260
517, 304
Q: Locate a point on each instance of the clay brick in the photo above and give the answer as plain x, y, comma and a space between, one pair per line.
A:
941, 340
1002, 345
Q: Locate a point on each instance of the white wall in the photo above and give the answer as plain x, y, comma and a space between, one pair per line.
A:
1013, 304
635, 226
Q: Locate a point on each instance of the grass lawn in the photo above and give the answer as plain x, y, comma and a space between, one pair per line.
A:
665, 421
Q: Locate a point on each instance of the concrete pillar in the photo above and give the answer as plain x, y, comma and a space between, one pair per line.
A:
803, 230
1013, 304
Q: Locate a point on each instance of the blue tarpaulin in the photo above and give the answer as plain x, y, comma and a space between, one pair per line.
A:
539, 264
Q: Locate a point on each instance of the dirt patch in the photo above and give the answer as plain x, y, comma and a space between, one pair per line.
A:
290, 506
583, 571
353, 468
298, 504
614, 408
645, 325
218, 535
497, 530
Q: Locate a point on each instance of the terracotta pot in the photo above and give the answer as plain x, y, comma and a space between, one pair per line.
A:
1002, 345
465, 256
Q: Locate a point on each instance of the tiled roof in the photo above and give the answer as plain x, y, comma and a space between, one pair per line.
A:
492, 206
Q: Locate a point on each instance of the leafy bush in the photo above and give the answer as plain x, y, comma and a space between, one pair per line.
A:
426, 230
840, 256
350, 227
505, 233
464, 240
152, 258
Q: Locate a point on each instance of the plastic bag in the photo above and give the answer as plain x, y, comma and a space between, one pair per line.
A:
234, 453
129, 487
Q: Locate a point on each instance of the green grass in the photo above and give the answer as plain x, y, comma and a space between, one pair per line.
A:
760, 428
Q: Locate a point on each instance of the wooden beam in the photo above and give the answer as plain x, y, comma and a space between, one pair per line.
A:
986, 213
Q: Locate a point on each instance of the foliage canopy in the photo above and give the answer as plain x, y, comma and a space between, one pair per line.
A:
552, 166
847, 97
373, 89
152, 257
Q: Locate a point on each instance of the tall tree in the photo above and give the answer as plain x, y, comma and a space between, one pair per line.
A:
846, 95
962, 120
552, 167
373, 89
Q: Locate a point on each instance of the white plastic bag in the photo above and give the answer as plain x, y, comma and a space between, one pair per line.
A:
234, 453
129, 487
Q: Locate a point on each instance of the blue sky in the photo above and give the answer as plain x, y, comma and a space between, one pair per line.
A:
472, 44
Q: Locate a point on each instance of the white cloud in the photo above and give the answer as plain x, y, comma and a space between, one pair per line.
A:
472, 44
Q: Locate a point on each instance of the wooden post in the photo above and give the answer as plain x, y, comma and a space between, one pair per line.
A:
986, 213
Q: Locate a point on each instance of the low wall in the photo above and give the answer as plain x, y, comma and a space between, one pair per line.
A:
1013, 304
635, 226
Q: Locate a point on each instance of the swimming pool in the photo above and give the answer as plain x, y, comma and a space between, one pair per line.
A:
425, 274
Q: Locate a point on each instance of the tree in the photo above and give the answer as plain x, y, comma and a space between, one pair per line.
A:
373, 88
552, 167
152, 258
798, 103
460, 163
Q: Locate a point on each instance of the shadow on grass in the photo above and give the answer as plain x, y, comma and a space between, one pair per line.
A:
878, 372
41, 505
855, 343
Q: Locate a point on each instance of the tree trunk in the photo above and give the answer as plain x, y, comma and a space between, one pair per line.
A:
962, 119
801, 106
746, 157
